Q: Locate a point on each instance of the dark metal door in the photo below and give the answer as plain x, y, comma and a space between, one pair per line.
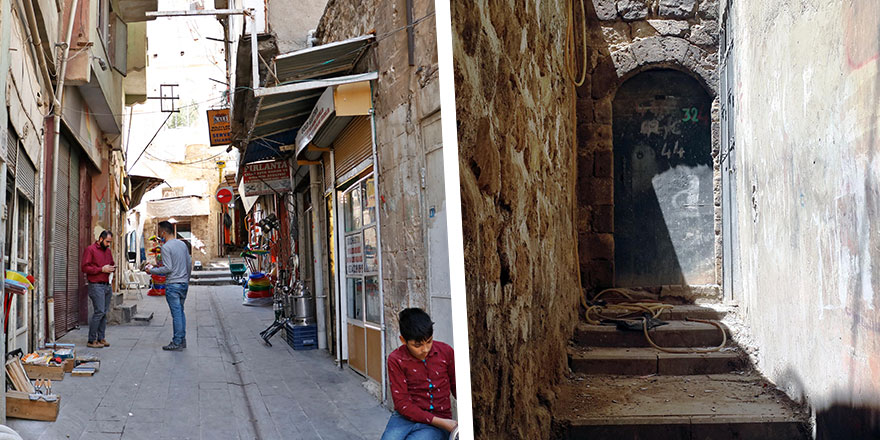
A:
663, 197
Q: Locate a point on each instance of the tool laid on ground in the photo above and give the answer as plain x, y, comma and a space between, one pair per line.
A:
645, 312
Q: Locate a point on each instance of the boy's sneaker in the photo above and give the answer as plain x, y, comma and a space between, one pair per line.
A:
94, 344
173, 347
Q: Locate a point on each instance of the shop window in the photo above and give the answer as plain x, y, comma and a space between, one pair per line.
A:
374, 305
355, 298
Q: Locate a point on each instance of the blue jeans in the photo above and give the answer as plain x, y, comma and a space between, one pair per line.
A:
100, 294
175, 295
399, 428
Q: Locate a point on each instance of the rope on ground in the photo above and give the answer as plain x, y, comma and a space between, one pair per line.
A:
595, 313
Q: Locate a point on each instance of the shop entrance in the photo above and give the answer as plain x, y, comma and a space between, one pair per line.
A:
364, 306
663, 181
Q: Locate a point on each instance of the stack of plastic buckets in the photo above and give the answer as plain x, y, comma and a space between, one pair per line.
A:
259, 290
158, 288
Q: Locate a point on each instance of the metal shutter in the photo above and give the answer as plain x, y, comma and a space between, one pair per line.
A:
11, 150
26, 179
62, 195
354, 145
73, 245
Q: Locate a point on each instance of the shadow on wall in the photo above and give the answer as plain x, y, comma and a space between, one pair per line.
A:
844, 421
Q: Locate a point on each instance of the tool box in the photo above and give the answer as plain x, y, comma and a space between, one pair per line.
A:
301, 337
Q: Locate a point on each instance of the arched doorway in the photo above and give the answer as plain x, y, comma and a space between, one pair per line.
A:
663, 181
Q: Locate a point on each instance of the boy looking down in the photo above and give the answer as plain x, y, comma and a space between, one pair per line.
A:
422, 376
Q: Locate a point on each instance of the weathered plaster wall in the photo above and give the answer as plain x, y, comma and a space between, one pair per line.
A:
626, 37
808, 182
516, 133
406, 100
298, 19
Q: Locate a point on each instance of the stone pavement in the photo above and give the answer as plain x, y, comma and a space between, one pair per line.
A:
226, 385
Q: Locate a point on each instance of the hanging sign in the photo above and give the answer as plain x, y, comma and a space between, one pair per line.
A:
224, 195
354, 254
320, 114
263, 178
219, 127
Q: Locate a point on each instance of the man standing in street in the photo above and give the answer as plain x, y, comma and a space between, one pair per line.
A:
97, 264
177, 268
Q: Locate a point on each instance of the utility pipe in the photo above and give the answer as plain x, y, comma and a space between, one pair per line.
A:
317, 252
58, 105
376, 187
337, 272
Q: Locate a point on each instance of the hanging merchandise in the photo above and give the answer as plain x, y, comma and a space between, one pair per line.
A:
157, 282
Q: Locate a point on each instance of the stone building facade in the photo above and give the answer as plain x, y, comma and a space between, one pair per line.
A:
515, 112
537, 158
408, 144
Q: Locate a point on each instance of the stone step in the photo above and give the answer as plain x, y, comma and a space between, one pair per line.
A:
126, 311
210, 273
680, 312
227, 281
143, 317
648, 360
674, 334
718, 407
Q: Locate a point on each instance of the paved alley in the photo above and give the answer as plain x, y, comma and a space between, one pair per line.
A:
226, 385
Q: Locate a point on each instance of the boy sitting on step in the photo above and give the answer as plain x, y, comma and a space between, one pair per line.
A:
422, 376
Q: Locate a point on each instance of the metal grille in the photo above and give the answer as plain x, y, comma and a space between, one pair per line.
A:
11, 150
354, 145
73, 252
26, 179
59, 283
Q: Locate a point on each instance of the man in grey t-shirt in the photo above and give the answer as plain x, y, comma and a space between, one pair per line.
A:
177, 268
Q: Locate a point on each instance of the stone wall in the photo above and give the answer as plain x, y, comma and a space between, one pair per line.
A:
407, 102
807, 127
298, 19
626, 37
516, 133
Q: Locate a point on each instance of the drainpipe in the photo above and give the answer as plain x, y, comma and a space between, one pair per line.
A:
379, 241
338, 262
317, 251
59, 102
5, 36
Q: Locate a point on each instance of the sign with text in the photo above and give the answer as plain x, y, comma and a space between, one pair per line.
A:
320, 114
354, 254
219, 127
266, 178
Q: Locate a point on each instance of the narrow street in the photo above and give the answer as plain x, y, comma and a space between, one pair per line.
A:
226, 385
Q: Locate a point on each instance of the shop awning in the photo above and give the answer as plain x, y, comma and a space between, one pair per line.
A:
302, 77
332, 113
140, 185
185, 206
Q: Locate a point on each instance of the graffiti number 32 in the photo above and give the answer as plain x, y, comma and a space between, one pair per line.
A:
690, 114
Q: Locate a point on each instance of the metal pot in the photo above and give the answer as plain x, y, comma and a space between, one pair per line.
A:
303, 306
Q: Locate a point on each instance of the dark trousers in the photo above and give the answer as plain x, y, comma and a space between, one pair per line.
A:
100, 294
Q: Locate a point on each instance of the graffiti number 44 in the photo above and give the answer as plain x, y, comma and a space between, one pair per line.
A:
675, 150
690, 114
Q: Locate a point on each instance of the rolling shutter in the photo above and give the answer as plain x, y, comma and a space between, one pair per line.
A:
62, 196
353, 145
26, 178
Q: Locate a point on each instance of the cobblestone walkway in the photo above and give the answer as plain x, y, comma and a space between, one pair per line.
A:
226, 385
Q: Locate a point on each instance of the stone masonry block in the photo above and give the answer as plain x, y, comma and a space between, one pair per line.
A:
603, 164
599, 191
602, 111
596, 246
602, 218
632, 9
705, 34
605, 9
670, 28
598, 274
709, 9
624, 61
677, 8
641, 29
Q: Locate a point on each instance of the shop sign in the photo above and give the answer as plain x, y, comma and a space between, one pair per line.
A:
219, 127
263, 178
320, 114
354, 254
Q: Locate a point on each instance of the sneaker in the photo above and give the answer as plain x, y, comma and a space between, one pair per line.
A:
173, 347
183, 344
94, 344
104, 342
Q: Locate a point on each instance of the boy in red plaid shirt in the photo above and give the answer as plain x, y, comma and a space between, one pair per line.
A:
422, 376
